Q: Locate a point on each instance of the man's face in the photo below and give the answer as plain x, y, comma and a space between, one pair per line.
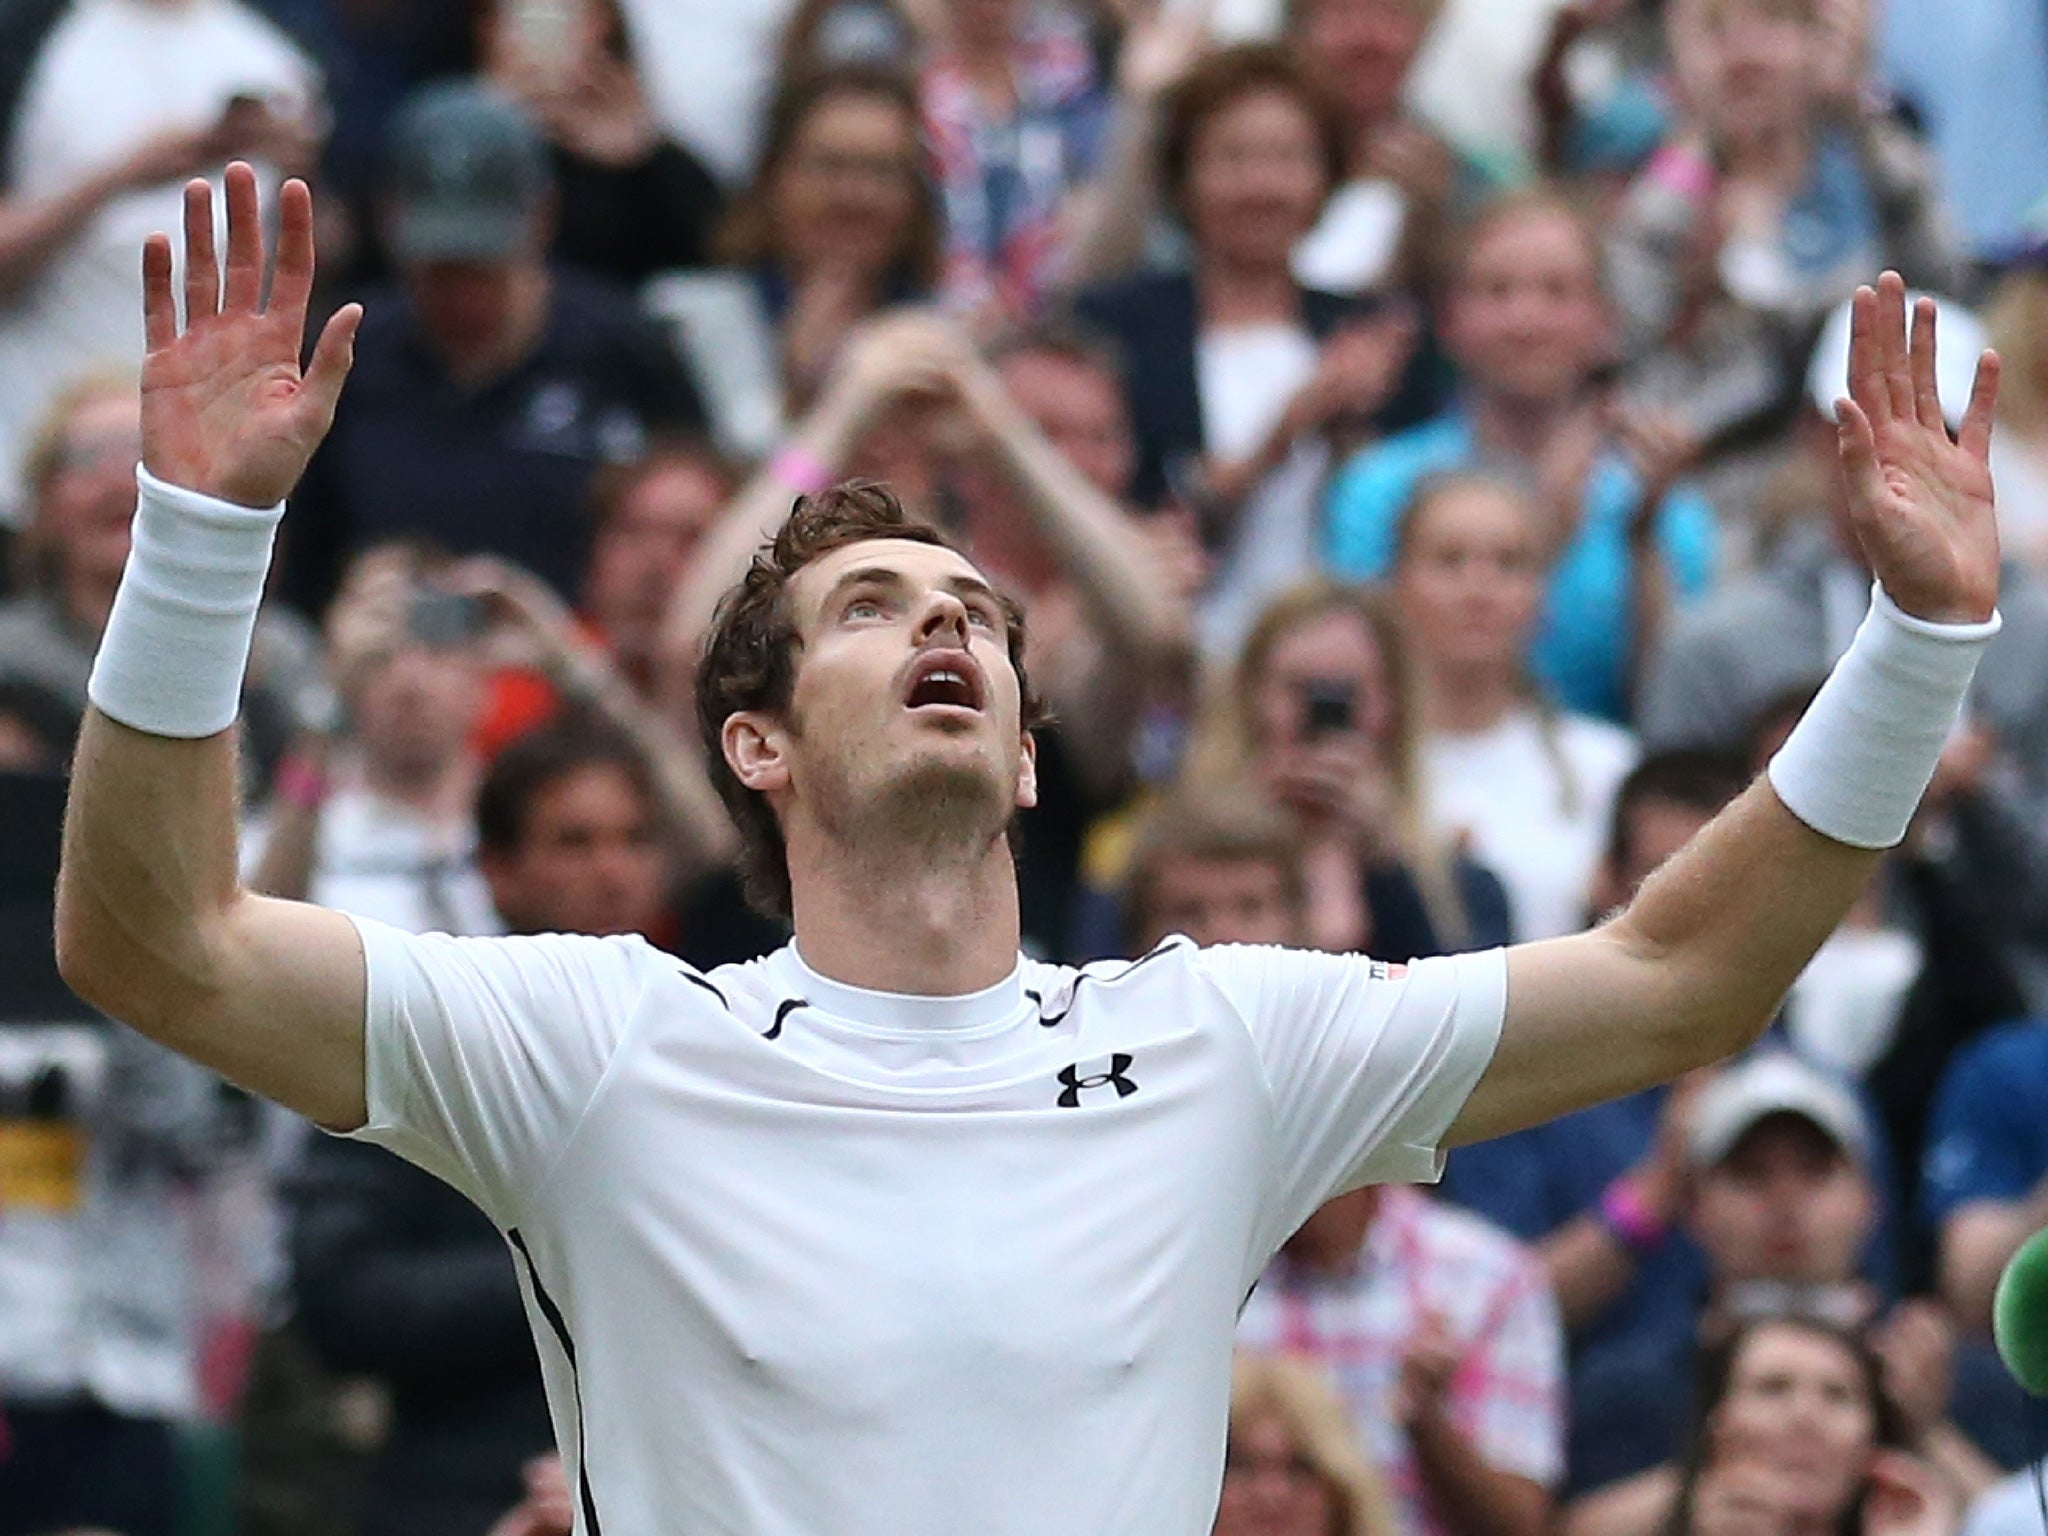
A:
1526, 317
639, 558
905, 715
414, 705
88, 502
588, 859
1080, 409
1786, 1204
1219, 901
1363, 48
463, 306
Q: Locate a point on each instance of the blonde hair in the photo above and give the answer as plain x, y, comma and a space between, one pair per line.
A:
1298, 1392
1226, 744
37, 559
2017, 319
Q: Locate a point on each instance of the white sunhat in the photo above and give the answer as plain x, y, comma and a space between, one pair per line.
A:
1773, 1083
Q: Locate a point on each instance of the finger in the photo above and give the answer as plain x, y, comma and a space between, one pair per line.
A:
1891, 330
245, 242
1926, 393
333, 355
1866, 358
1857, 444
202, 265
159, 308
1975, 436
292, 288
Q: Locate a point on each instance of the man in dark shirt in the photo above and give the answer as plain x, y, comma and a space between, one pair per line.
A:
489, 386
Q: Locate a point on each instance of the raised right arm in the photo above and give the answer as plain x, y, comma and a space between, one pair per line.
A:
152, 924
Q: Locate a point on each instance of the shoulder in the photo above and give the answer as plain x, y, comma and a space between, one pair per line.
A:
1439, 444
593, 315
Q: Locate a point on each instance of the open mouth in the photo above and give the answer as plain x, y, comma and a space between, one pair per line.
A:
946, 680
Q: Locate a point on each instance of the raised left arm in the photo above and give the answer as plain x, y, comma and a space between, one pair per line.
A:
1695, 967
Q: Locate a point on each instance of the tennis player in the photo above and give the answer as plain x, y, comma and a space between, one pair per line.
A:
894, 1233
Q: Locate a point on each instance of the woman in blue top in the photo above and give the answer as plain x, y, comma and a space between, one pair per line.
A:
1527, 322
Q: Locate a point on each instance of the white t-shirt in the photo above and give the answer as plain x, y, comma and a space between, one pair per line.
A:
1245, 375
1501, 787
376, 858
707, 67
802, 1258
112, 74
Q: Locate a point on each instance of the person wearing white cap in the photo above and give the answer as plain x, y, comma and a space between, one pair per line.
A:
1784, 1204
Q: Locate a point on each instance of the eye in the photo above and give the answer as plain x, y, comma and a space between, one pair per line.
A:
864, 608
980, 614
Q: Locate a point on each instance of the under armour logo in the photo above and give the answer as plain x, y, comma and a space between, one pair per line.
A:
1074, 1084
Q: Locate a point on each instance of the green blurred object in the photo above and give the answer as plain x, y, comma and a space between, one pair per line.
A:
207, 1453
2019, 1315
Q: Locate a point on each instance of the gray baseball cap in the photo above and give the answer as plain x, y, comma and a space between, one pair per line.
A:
465, 172
1774, 1082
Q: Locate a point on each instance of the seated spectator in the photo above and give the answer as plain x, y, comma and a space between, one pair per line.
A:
80, 473
631, 201
1321, 716
382, 824
1528, 789
1229, 364
1599, 1191
569, 836
1015, 111
491, 387
1443, 1337
1292, 1466
842, 220
105, 109
1220, 869
913, 401
1794, 1430
400, 1277
1783, 1201
1528, 325
1806, 182
2017, 322
1401, 180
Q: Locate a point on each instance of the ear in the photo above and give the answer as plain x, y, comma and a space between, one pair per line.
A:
1027, 774
756, 750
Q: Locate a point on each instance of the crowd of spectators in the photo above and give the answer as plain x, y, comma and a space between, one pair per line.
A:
1408, 426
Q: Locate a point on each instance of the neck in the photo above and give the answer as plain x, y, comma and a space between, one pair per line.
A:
1775, 153
1245, 293
1465, 698
439, 792
912, 918
1511, 428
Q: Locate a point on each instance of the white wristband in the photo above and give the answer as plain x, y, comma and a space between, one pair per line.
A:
177, 642
1857, 763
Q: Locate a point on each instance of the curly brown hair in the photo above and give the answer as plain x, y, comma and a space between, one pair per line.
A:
1219, 82
750, 658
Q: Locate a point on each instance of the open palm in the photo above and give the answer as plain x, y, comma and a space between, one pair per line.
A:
225, 407
1921, 503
